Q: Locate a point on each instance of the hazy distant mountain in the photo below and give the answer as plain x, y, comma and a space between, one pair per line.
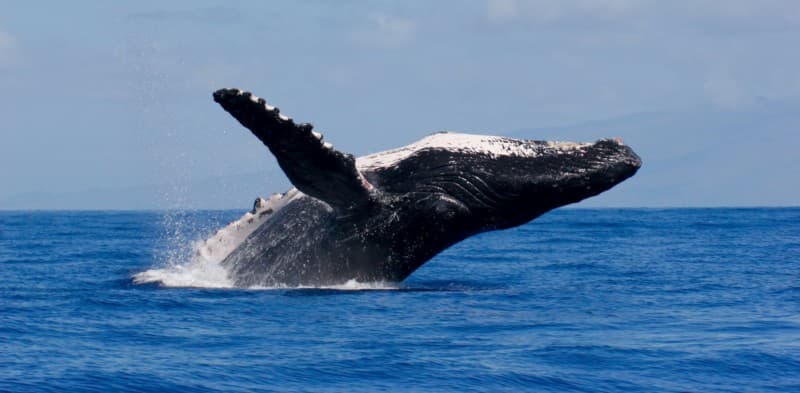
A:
702, 157
237, 191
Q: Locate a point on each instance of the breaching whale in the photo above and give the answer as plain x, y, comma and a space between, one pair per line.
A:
380, 217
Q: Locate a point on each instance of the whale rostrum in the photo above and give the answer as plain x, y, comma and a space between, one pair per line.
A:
379, 217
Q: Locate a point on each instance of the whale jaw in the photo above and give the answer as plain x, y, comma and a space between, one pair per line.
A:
500, 182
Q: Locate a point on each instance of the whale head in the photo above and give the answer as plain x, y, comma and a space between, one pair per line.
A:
479, 183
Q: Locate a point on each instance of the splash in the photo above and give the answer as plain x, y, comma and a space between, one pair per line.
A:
198, 264
203, 273
199, 272
201, 264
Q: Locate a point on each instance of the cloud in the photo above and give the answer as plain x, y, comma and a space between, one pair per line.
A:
213, 15
500, 11
386, 31
703, 15
9, 52
767, 15
550, 12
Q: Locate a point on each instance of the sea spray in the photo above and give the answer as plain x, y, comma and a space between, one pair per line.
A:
185, 260
179, 260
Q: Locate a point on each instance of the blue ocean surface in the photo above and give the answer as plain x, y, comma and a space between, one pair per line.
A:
605, 300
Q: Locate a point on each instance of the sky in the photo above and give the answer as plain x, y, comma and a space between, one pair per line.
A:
107, 105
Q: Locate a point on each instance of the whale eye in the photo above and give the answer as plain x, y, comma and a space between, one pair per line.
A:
447, 208
444, 209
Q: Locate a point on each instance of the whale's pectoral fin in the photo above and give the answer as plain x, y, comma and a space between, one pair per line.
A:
313, 166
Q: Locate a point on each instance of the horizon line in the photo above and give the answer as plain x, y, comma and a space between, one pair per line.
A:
157, 210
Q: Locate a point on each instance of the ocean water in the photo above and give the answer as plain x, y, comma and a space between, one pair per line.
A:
579, 300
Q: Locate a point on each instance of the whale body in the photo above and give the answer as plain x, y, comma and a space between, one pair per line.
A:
379, 217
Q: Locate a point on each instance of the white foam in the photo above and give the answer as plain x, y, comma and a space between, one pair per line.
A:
350, 285
198, 272
355, 285
201, 273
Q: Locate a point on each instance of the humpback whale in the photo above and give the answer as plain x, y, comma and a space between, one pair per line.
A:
382, 216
